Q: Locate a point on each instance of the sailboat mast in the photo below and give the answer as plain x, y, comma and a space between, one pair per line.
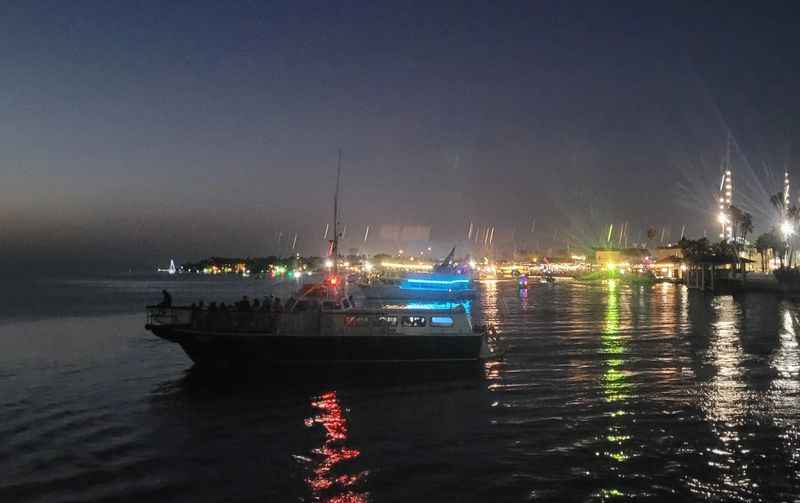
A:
335, 248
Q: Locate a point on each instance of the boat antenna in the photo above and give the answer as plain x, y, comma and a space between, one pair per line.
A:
335, 247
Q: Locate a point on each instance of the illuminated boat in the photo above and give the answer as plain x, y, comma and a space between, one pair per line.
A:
446, 282
324, 328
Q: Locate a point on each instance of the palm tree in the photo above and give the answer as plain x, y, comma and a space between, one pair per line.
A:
792, 216
735, 215
777, 202
746, 225
762, 245
779, 249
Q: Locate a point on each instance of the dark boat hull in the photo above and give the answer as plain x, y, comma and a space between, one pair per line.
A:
234, 349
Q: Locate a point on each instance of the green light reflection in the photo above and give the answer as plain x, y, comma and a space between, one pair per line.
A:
615, 385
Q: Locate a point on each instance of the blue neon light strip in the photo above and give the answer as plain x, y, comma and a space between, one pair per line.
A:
437, 281
436, 306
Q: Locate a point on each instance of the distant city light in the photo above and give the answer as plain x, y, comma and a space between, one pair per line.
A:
328, 263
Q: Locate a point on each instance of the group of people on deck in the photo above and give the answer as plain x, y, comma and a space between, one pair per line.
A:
241, 315
269, 304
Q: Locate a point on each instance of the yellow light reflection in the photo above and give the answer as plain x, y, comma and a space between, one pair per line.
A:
489, 301
725, 400
786, 362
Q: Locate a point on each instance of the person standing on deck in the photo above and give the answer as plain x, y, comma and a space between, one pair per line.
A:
166, 299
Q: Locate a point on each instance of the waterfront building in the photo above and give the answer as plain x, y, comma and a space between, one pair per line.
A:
625, 259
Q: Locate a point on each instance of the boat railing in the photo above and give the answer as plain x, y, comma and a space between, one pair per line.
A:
213, 320
344, 322
234, 321
161, 315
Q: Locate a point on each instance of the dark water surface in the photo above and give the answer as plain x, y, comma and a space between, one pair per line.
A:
608, 392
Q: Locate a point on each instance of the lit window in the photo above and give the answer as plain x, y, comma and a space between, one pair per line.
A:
356, 321
413, 321
441, 321
390, 321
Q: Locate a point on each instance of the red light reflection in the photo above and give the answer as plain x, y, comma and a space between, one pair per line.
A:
333, 452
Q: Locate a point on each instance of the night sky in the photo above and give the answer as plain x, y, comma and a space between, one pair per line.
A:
132, 132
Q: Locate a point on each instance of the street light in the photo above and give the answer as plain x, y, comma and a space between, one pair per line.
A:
787, 229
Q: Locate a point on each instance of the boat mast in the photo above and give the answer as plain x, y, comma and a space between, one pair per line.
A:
335, 247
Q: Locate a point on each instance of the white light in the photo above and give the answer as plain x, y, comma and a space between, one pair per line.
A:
787, 229
472, 264
367, 266
329, 263
723, 218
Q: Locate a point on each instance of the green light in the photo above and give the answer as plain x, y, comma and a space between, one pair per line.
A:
618, 456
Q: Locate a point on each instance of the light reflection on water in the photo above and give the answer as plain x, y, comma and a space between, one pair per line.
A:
490, 302
333, 453
614, 383
608, 392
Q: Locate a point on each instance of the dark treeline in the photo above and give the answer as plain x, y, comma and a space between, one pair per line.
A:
252, 264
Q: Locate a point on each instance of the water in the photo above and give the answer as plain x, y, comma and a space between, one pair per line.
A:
608, 392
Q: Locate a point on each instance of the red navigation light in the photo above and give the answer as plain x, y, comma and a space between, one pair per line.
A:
333, 280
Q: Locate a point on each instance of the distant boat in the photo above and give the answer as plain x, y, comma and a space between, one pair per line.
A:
171, 269
446, 282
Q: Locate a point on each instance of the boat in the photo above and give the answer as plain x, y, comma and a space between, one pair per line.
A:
171, 270
547, 279
326, 329
323, 326
445, 282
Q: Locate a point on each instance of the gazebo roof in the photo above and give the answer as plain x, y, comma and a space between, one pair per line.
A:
717, 260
